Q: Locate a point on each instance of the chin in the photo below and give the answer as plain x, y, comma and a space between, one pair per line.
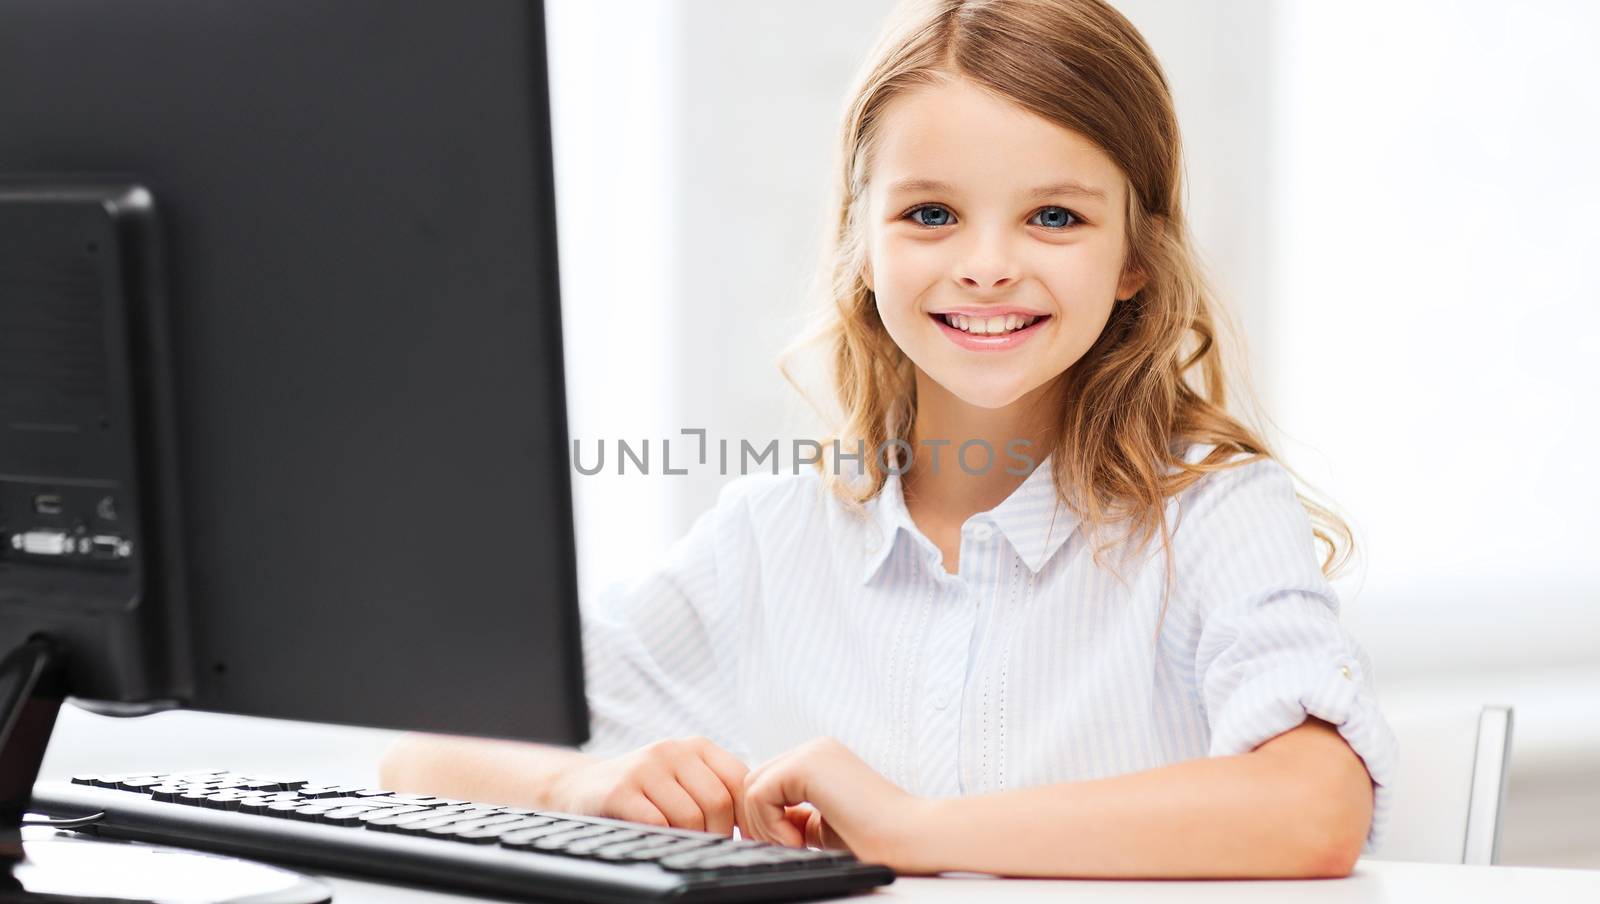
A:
987, 393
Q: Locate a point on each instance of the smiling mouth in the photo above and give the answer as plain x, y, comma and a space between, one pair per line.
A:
990, 326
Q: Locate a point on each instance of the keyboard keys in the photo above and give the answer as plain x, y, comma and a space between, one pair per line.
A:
344, 816
699, 857
617, 850
560, 840
289, 784
193, 775
222, 800
456, 828
687, 860
492, 833
586, 846
436, 821
750, 861
138, 783
164, 793
487, 834
253, 805
348, 790
423, 799
513, 827
391, 800
386, 812
524, 838
677, 845
398, 821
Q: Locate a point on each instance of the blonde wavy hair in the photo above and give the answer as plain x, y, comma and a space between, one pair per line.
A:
1155, 380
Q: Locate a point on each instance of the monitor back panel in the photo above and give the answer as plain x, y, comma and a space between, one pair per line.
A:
357, 207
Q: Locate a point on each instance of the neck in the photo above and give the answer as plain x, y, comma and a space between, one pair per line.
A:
1027, 426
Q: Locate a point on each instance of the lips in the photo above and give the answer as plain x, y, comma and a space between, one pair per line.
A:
989, 342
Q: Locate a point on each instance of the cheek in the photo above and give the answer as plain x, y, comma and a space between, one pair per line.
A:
902, 276
1085, 288
899, 261
1081, 296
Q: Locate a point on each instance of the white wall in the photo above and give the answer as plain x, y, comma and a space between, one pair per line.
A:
1435, 304
691, 142
615, 98
1434, 319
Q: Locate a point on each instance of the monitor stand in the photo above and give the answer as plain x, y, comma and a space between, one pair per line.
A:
41, 862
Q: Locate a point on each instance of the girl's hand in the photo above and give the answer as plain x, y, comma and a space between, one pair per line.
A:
855, 807
686, 783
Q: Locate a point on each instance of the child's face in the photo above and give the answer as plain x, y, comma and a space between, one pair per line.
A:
986, 245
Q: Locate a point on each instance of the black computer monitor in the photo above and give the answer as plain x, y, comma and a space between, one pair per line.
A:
282, 413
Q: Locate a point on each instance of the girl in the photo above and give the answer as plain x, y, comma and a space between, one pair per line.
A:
959, 645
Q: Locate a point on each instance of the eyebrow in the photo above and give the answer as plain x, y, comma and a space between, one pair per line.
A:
1043, 191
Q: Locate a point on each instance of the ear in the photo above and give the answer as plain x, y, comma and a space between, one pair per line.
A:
1130, 284
1133, 277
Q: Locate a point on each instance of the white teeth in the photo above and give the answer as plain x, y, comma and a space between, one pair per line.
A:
988, 326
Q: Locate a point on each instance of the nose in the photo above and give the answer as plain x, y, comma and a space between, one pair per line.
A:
989, 265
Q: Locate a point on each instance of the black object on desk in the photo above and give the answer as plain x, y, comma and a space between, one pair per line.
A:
478, 847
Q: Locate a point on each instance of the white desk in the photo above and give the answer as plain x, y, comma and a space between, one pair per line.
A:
1373, 881
87, 743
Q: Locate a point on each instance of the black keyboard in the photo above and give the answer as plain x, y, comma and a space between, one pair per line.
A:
456, 844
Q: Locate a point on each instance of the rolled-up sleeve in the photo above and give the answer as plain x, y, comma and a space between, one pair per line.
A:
1271, 651
657, 649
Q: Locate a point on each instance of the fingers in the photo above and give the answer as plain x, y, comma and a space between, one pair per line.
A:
638, 808
820, 835
686, 783
715, 801
727, 767
680, 809
810, 824
801, 818
765, 798
731, 772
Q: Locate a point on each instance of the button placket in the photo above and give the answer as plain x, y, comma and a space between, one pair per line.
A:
947, 659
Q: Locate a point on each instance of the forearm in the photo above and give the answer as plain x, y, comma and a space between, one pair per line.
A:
1241, 816
511, 773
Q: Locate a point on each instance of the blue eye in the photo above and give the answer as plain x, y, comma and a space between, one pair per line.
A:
915, 215
1056, 217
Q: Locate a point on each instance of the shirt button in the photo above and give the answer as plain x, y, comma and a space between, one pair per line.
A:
1345, 671
981, 531
941, 701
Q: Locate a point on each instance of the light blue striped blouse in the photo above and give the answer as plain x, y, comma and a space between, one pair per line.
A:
780, 617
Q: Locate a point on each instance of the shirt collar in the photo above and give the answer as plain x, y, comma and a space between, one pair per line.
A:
1032, 519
